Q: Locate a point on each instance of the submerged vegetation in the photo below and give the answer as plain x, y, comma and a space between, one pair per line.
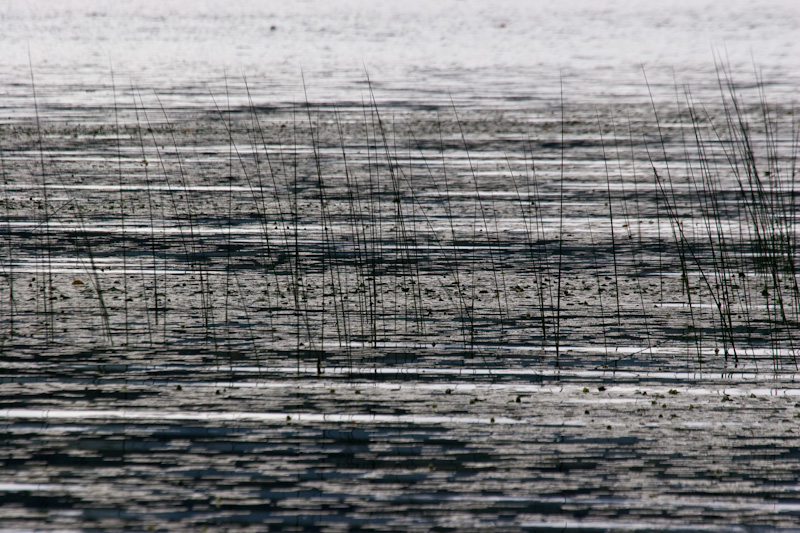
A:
367, 232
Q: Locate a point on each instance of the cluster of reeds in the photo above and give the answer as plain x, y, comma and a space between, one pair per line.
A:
334, 232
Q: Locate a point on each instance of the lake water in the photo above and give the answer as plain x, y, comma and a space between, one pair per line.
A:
409, 266
414, 50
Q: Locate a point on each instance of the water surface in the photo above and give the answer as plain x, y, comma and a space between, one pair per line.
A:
411, 267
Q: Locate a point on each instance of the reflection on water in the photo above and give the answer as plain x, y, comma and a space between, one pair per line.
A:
195, 453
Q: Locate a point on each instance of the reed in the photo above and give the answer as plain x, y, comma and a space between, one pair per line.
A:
45, 277
8, 268
357, 232
157, 297
123, 244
